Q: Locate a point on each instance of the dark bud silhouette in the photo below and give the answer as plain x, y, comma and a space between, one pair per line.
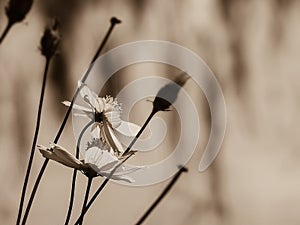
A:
167, 95
16, 10
115, 20
50, 40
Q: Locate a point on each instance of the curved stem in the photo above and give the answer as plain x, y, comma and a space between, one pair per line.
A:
5, 32
37, 128
75, 175
71, 198
44, 166
112, 172
87, 192
162, 195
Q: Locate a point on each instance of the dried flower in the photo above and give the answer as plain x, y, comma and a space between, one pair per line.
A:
97, 161
16, 10
167, 95
115, 20
106, 114
50, 40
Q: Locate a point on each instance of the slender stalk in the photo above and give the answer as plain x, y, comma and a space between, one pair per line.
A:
87, 192
75, 175
72, 195
35, 187
37, 128
162, 195
5, 32
103, 43
44, 166
112, 172
140, 132
100, 189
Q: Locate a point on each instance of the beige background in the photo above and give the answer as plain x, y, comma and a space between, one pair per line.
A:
252, 46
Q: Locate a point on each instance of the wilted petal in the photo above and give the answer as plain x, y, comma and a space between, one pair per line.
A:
65, 155
111, 138
60, 155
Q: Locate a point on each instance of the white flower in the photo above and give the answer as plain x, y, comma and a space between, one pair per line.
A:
106, 113
96, 161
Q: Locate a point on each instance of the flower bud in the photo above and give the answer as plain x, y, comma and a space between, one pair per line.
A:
50, 40
167, 95
16, 10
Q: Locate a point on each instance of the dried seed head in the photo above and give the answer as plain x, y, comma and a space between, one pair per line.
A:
167, 95
16, 10
50, 40
115, 20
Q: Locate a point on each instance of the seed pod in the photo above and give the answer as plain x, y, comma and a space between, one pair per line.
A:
167, 95
50, 40
16, 10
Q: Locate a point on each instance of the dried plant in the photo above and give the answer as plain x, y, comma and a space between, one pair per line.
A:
170, 92
16, 11
103, 155
114, 21
49, 46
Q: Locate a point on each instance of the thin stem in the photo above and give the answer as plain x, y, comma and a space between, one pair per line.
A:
140, 132
35, 187
44, 166
87, 192
100, 189
75, 175
71, 198
113, 22
37, 128
112, 172
5, 32
103, 43
162, 195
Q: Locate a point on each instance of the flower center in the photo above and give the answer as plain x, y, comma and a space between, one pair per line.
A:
99, 117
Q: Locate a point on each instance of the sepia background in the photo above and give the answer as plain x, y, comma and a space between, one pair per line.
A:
252, 46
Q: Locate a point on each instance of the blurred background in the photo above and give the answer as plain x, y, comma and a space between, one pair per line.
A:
253, 47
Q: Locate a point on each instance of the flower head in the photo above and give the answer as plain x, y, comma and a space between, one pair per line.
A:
106, 114
16, 10
97, 162
50, 40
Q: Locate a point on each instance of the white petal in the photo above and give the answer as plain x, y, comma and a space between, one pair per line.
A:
128, 129
109, 166
116, 177
54, 156
86, 112
88, 96
66, 156
125, 169
99, 104
95, 131
78, 107
98, 157
114, 117
111, 138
